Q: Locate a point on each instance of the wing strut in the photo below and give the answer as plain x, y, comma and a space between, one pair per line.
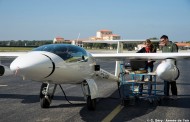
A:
117, 65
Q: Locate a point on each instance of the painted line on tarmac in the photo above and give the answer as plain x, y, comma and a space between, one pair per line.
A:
110, 116
3, 85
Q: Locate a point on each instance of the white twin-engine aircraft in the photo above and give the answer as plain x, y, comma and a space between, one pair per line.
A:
71, 64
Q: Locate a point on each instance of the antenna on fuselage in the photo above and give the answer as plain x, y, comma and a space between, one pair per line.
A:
78, 38
75, 42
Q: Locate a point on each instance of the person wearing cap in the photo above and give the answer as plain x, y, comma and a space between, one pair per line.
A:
149, 64
169, 47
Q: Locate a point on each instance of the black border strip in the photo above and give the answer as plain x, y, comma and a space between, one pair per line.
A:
2, 70
53, 69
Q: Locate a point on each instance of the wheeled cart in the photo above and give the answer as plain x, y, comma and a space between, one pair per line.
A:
130, 90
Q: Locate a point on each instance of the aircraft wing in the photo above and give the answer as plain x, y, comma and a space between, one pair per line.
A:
141, 56
4, 70
116, 41
11, 54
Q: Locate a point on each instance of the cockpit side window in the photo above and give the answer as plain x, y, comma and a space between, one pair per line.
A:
69, 53
77, 54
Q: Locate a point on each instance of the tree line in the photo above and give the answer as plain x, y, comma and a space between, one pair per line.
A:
36, 43
27, 43
128, 46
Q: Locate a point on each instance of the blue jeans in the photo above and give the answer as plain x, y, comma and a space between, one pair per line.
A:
149, 69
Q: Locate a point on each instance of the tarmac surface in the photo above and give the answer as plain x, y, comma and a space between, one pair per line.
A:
19, 102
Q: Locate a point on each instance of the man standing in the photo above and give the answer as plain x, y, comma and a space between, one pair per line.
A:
168, 47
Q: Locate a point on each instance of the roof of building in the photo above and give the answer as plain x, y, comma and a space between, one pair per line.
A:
104, 30
59, 38
114, 35
181, 44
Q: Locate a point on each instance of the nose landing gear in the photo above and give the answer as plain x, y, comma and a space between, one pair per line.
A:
45, 96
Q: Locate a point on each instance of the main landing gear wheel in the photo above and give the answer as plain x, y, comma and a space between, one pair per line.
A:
45, 99
91, 103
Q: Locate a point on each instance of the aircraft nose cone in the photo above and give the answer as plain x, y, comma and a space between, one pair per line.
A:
33, 65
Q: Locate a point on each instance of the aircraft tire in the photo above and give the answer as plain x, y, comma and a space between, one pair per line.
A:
44, 102
41, 89
91, 103
150, 101
125, 102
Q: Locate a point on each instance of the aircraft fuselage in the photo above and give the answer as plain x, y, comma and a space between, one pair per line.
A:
54, 66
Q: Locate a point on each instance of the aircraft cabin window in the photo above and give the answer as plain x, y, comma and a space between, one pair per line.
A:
69, 53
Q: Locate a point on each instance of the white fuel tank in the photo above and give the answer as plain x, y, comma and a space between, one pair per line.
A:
167, 70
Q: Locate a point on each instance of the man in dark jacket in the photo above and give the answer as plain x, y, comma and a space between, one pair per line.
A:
168, 47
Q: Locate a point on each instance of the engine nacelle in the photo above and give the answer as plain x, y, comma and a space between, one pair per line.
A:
4, 71
167, 70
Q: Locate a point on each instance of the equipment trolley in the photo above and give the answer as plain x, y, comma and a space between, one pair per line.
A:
130, 86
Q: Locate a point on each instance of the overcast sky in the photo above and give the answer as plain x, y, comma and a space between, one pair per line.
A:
131, 19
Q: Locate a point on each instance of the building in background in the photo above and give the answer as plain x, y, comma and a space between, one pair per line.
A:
58, 40
105, 35
183, 45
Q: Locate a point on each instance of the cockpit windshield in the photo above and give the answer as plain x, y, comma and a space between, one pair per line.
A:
67, 52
